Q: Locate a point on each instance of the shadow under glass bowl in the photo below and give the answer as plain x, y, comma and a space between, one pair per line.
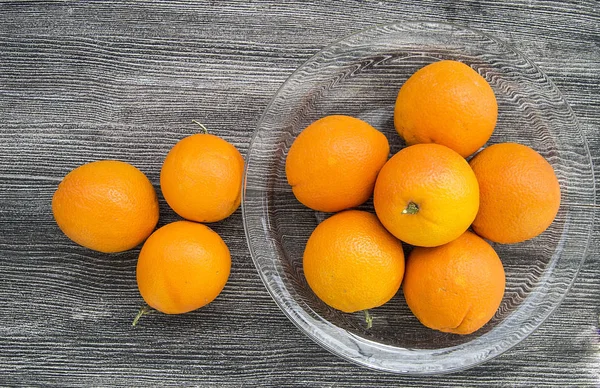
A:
360, 76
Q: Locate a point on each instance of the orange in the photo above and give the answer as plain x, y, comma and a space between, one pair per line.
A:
182, 267
520, 194
352, 263
426, 195
447, 103
201, 178
332, 165
457, 287
107, 206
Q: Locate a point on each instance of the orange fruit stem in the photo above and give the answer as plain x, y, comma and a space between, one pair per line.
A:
368, 319
144, 310
204, 130
411, 208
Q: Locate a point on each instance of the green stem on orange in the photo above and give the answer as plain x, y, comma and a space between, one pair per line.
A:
411, 208
368, 319
201, 126
144, 310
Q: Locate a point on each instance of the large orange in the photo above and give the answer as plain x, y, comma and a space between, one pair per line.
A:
108, 206
456, 287
426, 195
332, 165
520, 194
447, 103
201, 178
352, 263
182, 267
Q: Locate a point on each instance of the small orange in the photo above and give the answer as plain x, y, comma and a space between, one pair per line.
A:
201, 178
352, 263
332, 165
107, 206
457, 287
182, 267
447, 103
520, 194
426, 195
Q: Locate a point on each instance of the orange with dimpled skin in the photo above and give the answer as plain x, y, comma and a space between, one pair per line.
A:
182, 267
332, 165
456, 287
520, 194
446, 103
426, 195
107, 206
352, 263
201, 178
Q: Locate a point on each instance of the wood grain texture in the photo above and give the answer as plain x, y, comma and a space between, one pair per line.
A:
87, 81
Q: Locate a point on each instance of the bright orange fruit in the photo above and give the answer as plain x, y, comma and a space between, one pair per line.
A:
455, 288
352, 263
332, 165
182, 267
107, 206
201, 178
426, 195
520, 194
446, 103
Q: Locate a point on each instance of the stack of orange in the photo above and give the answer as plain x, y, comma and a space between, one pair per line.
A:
427, 195
111, 206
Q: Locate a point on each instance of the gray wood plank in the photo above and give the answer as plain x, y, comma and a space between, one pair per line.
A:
85, 81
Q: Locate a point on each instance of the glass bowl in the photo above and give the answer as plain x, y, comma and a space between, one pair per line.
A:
360, 76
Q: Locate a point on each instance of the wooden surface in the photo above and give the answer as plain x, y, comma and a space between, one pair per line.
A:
87, 81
